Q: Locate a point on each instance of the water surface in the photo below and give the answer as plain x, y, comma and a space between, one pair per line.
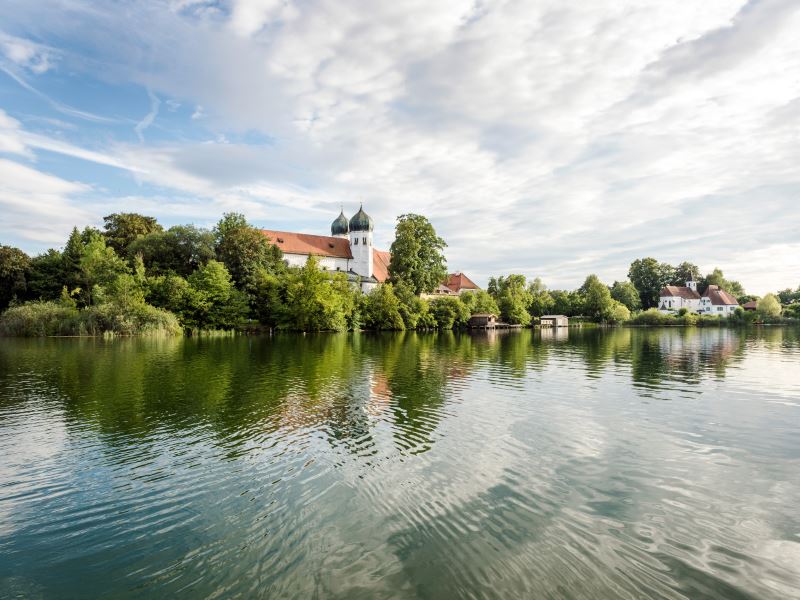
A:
595, 464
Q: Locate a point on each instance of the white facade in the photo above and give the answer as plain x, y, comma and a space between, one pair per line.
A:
722, 310
713, 302
329, 263
361, 248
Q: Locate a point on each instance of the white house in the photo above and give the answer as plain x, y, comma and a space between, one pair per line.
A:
714, 301
348, 249
674, 297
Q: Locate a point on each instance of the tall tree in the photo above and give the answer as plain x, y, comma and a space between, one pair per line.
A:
121, 229
99, 265
716, 277
417, 254
244, 250
648, 277
598, 303
181, 249
513, 299
15, 267
541, 300
47, 276
684, 272
625, 293
382, 309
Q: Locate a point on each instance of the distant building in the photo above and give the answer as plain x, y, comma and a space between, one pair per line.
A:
714, 300
553, 321
348, 249
482, 321
454, 284
751, 306
459, 283
672, 298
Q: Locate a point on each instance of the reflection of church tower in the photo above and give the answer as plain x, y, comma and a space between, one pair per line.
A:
340, 228
361, 242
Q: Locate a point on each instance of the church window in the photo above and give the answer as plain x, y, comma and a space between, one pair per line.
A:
364, 241
355, 241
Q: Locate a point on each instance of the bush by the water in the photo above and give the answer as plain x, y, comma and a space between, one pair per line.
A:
655, 318
47, 318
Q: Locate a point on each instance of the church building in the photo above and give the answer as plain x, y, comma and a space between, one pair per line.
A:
348, 249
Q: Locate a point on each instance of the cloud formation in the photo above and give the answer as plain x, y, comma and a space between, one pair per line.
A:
550, 139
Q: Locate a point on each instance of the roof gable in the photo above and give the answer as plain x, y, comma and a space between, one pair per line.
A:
459, 281
719, 297
677, 291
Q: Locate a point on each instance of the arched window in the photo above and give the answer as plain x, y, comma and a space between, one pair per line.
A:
364, 240
355, 241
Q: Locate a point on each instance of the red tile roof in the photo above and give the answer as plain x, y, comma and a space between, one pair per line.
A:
719, 297
678, 291
380, 264
752, 305
459, 281
303, 243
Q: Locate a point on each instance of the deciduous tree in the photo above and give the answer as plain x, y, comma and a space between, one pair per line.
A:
417, 254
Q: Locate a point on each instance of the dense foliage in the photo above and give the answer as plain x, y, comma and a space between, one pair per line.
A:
417, 254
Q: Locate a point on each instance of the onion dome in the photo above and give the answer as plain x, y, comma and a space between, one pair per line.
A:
361, 221
339, 226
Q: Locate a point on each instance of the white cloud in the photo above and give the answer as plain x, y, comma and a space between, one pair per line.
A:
25, 53
545, 138
149, 117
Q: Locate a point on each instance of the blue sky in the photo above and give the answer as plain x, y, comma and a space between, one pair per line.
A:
540, 137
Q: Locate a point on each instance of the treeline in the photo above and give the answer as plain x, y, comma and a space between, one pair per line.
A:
136, 277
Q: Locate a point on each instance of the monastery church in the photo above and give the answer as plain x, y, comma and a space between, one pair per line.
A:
349, 249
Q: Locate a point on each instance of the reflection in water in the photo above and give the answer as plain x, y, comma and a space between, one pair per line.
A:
608, 464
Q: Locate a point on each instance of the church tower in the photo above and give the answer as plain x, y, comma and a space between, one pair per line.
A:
361, 242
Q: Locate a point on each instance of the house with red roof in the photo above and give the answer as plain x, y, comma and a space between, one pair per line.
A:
348, 249
713, 301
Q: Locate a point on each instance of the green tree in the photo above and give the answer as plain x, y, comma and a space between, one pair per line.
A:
212, 301
181, 249
541, 300
244, 250
598, 303
121, 229
448, 312
513, 299
649, 276
417, 254
716, 277
684, 272
788, 296
769, 306
480, 301
413, 309
618, 313
625, 293
15, 268
382, 309
315, 300
99, 266
46, 278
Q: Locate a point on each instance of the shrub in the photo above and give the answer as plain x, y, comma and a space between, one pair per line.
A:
39, 318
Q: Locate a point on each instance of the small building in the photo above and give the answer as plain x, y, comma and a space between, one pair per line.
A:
672, 298
482, 321
553, 321
716, 301
751, 306
459, 283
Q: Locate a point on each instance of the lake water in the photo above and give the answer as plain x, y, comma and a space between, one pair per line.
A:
581, 464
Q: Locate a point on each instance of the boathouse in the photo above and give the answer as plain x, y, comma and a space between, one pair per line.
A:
482, 321
553, 321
